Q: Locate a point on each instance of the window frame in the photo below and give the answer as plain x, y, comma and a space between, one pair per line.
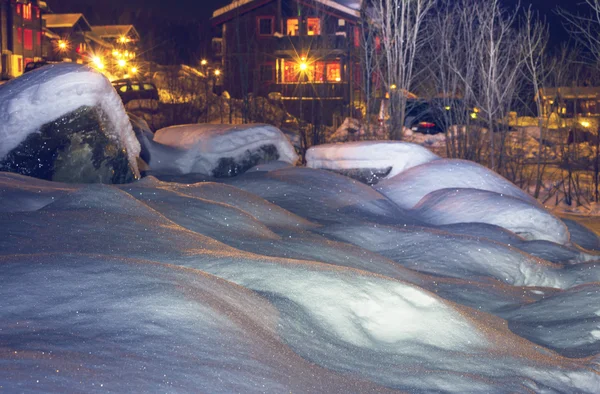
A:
308, 20
273, 74
266, 17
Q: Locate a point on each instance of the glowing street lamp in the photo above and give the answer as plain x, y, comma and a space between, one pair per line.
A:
123, 40
217, 72
98, 62
393, 86
203, 62
63, 45
122, 63
134, 70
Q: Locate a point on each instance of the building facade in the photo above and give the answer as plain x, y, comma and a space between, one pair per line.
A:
305, 52
21, 31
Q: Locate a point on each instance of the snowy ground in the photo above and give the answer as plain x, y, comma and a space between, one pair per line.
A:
442, 277
294, 279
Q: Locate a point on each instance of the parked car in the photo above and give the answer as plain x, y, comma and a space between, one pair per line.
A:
34, 65
137, 96
436, 115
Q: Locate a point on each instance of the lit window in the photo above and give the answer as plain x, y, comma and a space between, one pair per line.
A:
265, 26
313, 26
39, 38
19, 7
334, 72
292, 27
28, 39
27, 11
37, 12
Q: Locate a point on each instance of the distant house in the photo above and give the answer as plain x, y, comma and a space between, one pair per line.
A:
306, 51
70, 42
20, 35
571, 101
120, 36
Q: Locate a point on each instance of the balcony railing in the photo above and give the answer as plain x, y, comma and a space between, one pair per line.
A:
300, 44
325, 91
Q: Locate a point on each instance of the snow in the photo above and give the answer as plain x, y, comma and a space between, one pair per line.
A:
449, 206
409, 187
399, 156
286, 279
202, 146
46, 94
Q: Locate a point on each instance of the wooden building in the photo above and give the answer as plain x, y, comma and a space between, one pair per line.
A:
303, 50
20, 35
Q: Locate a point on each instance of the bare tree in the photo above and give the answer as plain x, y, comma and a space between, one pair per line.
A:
535, 36
400, 27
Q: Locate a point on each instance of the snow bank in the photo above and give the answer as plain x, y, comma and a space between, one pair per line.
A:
410, 186
46, 94
388, 158
206, 148
449, 206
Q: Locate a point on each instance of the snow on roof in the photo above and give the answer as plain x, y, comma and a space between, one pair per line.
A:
64, 20
43, 95
202, 146
50, 34
115, 31
351, 7
399, 156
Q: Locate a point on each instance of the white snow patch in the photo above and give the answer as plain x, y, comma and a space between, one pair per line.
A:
44, 95
400, 156
199, 147
410, 186
449, 206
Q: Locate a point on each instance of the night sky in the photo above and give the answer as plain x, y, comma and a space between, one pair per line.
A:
179, 31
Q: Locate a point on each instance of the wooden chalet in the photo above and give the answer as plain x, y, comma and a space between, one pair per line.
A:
303, 50
20, 35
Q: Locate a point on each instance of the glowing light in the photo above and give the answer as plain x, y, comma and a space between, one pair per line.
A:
116, 53
473, 115
123, 39
98, 62
585, 123
62, 45
134, 70
303, 66
447, 107
122, 63
203, 62
217, 72
393, 86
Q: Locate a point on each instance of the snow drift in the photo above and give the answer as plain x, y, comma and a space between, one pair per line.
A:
221, 150
449, 206
373, 159
410, 186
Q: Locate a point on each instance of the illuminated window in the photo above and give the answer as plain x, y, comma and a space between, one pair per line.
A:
265, 25
293, 27
356, 36
313, 26
27, 11
37, 12
28, 39
19, 7
334, 72
291, 72
39, 38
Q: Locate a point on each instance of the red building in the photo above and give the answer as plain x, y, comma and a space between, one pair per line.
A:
304, 50
20, 35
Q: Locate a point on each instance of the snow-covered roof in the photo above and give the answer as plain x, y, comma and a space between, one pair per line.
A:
93, 37
115, 31
65, 20
350, 7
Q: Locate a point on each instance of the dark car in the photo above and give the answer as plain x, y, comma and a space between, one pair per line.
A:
34, 65
421, 117
137, 95
436, 115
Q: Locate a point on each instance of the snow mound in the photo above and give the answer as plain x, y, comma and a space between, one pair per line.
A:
215, 149
449, 206
410, 186
46, 94
387, 157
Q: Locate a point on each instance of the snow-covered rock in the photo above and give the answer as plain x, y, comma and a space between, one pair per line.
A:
368, 161
221, 150
450, 206
410, 186
66, 122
